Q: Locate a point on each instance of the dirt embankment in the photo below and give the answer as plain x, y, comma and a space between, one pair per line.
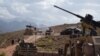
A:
8, 51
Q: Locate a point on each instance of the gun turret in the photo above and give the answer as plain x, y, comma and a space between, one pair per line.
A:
87, 19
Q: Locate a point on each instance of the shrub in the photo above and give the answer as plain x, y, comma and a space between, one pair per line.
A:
2, 54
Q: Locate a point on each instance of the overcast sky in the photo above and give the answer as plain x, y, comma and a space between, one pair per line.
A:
43, 12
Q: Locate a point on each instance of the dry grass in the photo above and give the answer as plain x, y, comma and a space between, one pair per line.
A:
51, 43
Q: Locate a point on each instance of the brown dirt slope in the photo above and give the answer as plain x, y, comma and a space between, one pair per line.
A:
5, 39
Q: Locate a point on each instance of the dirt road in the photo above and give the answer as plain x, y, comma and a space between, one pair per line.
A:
10, 49
33, 38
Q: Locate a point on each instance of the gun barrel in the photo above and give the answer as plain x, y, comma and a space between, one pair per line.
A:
69, 12
64, 10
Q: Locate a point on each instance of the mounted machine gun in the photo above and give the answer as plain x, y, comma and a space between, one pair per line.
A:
87, 21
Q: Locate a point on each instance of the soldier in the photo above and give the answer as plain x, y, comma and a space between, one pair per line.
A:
85, 21
79, 45
60, 52
66, 49
12, 42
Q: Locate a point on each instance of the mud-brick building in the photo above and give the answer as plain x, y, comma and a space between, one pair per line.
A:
56, 30
25, 49
29, 49
48, 32
30, 30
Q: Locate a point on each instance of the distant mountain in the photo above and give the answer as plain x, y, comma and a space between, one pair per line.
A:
11, 26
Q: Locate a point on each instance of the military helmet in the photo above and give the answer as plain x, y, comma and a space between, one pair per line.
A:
89, 17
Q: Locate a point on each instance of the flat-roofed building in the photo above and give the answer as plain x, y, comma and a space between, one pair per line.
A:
56, 30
